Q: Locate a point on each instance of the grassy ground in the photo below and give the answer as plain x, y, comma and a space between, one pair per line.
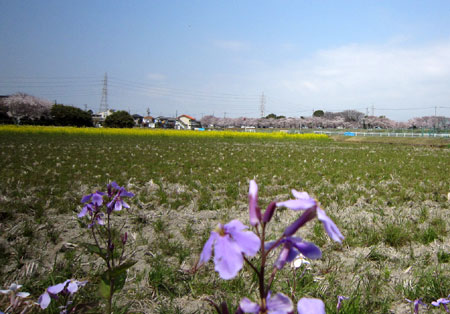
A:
420, 141
390, 201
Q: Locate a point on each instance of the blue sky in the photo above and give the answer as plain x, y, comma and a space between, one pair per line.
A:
218, 57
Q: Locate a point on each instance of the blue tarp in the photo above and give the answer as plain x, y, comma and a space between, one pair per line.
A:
349, 134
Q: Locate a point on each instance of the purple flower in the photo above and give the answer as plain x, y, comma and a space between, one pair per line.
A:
70, 286
310, 306
292, 247
302, 201
117, 202
339, 304
416, 304
97, 201
311, 207
444, 303
255, 211
230, 242
15, 297
279, 304
98, 219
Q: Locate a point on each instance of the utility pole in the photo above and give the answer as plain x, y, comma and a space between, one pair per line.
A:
104, 101
367, 111
224, 115
262, 105
373, 110
148, 111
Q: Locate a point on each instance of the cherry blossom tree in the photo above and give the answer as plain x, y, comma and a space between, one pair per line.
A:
21, 105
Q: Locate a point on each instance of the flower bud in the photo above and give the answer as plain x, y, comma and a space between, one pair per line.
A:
308, 215
254, 210
124, 238
269, 212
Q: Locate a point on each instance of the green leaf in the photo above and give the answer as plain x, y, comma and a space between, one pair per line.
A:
121, 268
119, 281
104, 289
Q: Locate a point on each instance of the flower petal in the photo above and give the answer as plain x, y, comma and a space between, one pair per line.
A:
298, 204
228, 258
83, 211
309, 306
57, 288
44, 300
97, 199
234, 225
280, 303
86, 198
207, 249
308, 249
329, 226
248, 242
248, 306
72, 287
118, 205
22, 294
14, 287
300, 195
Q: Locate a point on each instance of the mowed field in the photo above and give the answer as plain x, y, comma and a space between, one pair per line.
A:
390, 201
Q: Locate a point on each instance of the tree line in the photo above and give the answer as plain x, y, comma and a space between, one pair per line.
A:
21, 108
347, 119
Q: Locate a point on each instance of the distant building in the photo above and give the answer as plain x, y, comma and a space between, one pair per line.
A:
188, 123
99, 118
165, 122
148, 121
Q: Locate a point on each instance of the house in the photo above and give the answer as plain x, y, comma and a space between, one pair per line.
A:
187, 122
165, 122
148, 121
100, 117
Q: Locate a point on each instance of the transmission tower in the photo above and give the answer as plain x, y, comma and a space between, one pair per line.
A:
104, 101
262, 106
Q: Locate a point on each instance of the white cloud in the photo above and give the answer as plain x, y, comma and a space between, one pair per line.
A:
389, 76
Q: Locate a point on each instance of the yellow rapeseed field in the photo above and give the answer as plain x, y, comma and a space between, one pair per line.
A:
158, 132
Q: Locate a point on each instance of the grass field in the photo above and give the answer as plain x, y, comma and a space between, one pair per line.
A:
390, 202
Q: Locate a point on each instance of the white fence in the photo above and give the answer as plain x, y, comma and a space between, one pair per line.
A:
385, 134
